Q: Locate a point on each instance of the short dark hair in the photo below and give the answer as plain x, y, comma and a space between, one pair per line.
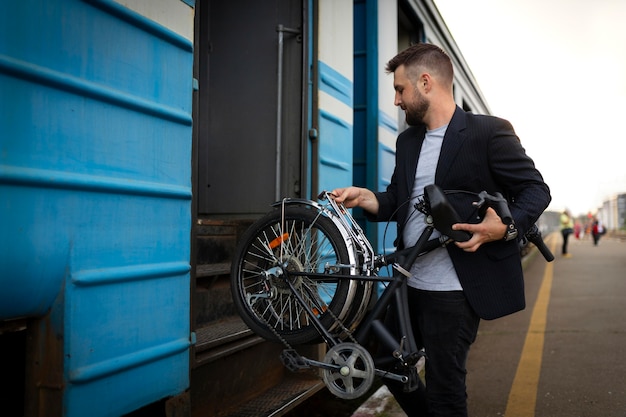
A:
427, 56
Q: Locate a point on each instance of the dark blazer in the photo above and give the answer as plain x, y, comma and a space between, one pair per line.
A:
478, 153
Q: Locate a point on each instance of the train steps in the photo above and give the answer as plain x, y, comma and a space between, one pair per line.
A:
235, 373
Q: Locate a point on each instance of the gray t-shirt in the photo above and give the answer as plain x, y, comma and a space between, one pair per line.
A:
433, 271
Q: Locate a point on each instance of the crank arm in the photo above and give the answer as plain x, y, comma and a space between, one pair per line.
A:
322, 365
389, 375
294, 361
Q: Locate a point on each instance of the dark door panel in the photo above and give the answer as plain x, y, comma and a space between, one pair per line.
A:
239, 151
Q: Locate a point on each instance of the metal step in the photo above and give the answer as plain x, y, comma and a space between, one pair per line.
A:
212, 270
279, 399
216, 239
223, 338
234, 372
212, 297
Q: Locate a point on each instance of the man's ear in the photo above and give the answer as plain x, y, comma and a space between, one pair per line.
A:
425, 82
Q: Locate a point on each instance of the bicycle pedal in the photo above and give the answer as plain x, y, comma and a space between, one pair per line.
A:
293, 361
413, 382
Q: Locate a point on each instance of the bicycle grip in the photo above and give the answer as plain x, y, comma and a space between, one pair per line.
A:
502, 208
534, 235
495, 201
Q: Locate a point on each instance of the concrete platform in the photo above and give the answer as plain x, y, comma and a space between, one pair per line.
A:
563, 356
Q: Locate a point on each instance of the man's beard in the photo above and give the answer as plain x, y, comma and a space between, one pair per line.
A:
416, 111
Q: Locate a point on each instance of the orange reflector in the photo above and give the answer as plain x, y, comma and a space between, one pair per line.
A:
279, 240
317, 312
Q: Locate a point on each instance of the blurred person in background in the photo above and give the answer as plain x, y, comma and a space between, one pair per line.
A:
567, 228
597, 230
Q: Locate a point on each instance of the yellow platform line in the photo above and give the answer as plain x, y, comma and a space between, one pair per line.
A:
523, 394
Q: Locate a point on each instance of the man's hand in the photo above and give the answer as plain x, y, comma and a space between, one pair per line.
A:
356, 196
489, 230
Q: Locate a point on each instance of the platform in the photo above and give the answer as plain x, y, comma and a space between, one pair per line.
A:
563, 356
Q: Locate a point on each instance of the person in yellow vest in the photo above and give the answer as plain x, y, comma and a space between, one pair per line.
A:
567, 228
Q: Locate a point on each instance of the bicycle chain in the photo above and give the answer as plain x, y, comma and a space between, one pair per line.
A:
301, 363
288, 346
275, 332
342, 326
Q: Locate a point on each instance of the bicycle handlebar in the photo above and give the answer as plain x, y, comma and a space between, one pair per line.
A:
500, 205
495, 201
534, 236
397, 256
444, 216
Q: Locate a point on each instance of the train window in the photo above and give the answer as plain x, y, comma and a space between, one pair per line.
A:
466, 106
410, 28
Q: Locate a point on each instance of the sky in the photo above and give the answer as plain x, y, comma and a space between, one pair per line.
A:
556, 69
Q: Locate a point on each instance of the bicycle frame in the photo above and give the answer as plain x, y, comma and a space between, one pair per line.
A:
405, 350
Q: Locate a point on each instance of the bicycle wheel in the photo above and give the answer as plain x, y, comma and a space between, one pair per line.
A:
301, 240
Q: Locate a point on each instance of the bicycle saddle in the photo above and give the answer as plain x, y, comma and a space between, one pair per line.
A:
443, 214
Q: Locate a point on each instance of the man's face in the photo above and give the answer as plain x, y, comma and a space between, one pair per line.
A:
408, 97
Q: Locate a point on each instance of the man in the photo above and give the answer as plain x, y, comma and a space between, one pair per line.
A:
451, 288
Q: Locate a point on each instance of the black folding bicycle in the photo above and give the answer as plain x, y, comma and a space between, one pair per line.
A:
305, 273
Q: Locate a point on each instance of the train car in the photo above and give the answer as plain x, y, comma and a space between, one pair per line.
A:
95, 206
139, 139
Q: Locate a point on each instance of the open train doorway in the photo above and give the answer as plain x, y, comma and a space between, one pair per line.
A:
250, 117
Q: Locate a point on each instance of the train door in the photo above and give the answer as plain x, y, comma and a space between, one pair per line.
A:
250, 106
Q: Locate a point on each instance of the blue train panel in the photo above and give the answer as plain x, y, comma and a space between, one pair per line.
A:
95, 195
335, 143
387, 232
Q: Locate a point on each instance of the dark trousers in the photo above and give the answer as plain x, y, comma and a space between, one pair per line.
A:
445, 324
596, 238
565, 233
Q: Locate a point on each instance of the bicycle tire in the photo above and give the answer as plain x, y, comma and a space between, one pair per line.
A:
304, 240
